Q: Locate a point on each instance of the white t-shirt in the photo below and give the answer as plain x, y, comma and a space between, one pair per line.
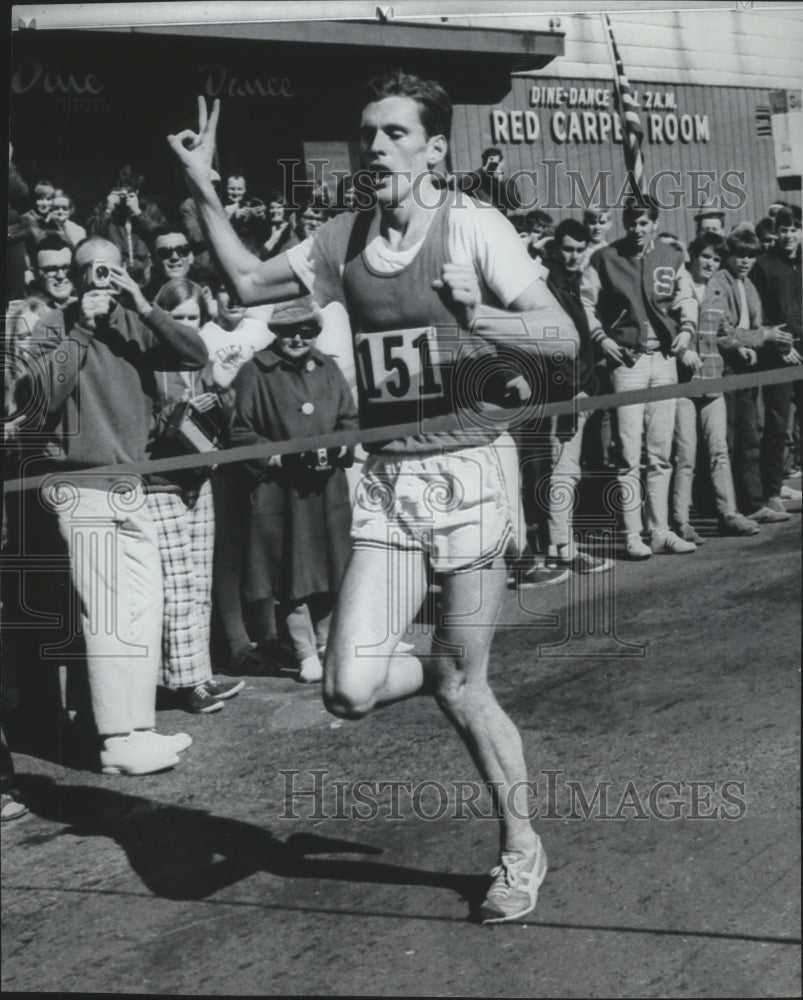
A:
230, 349
478, 236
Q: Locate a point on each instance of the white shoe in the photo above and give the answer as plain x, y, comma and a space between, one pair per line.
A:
133, 755
177, 743
787, 493
669, 544
311, 670
636, 548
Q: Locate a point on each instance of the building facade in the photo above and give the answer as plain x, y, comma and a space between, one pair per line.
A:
719, 93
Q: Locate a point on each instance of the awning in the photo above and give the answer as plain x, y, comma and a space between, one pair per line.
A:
518, 50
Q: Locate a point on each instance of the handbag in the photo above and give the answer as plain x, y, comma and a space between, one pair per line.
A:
193, 431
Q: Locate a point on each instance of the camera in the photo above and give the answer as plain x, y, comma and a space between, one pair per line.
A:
254, 207
100, 274
192, 430
121, 209
628, 357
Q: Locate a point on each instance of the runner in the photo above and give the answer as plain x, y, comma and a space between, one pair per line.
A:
417, 275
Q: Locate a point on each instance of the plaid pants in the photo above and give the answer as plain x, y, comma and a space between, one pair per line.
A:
186, 545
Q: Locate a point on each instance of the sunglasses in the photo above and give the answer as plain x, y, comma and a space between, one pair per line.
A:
165, 253
51, 270
304, 332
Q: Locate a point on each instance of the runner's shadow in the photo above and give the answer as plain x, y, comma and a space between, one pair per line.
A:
183, 853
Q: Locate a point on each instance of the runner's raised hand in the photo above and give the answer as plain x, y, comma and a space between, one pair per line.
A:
196, 150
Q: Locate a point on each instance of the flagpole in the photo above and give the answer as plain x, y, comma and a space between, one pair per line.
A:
628, 118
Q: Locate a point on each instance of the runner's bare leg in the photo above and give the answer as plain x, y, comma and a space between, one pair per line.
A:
362, 672
461, 688
381, 594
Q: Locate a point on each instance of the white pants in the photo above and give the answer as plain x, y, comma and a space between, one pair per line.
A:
654, 422
117, 579
713, 420
566, 474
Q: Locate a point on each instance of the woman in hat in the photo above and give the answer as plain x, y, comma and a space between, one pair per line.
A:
300, 512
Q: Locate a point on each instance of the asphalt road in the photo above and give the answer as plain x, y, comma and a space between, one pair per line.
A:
213, 879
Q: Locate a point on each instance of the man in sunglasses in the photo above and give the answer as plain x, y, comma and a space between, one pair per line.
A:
172, 258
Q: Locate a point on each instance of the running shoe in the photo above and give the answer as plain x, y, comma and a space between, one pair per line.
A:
248, 661
176, 742
516, 880
582, 562
688, 534
12, 806
310, 670
126, 755
788, 500
770, 514
199, 701
636, 548
737, 524
224, 687
538, 575
667, 543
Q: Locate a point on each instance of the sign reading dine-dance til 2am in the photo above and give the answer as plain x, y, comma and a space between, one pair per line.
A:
586, 115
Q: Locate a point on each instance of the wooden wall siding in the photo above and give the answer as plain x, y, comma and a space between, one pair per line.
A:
733, 145
722, 45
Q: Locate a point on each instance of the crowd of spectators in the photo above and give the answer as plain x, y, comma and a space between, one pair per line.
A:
124, 343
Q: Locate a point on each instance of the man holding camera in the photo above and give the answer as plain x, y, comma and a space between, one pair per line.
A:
128, 221
247, 215
488, 183
642, 313
93, 366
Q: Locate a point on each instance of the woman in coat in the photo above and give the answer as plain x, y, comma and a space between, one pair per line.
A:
300, 513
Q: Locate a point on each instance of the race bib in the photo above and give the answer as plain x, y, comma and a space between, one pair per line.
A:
400, 365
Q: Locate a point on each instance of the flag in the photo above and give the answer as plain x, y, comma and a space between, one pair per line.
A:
627, 106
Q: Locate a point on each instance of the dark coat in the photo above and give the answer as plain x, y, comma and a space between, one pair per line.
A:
300, 519
777, 279
579, 373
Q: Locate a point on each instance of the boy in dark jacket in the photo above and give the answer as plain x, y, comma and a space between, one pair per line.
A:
777, 278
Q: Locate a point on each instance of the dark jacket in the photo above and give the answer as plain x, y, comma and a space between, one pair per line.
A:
579, 374
777, 278
300, 518
15, 268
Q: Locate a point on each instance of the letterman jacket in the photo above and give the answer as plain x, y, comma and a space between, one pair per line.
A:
624, 294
